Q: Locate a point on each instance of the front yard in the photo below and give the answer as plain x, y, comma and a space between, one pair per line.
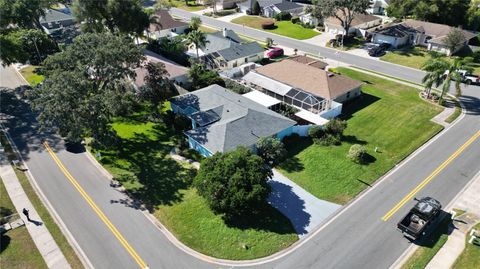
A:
388, 115
141, 161
30, 73
285, 28
414, 58
470, 255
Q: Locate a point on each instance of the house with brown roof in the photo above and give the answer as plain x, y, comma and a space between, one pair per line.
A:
164, 25
418, 33
304, 59
358, 26
304, 86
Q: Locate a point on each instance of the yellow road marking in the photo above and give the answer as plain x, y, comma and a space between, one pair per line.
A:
95, 208
430, 177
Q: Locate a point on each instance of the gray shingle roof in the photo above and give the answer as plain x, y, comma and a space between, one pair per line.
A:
286, 6
266, 3
237, 51
231, 46
52, 15
242, 121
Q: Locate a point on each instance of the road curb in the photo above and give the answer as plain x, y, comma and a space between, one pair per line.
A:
56, 218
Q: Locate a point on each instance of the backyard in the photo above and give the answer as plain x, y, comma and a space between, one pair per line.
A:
285, 28
141, 162
388, 115
414, 58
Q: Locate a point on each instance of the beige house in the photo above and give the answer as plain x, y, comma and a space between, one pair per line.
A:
165, 26
359, 25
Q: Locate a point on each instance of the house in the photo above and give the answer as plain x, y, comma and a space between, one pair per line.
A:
378, 7
359, 25
221, 4
307, 87
165, 25
309, 61
289, 7
54, 20
176, 73
417, 33
225, 50
223, 120
308, 18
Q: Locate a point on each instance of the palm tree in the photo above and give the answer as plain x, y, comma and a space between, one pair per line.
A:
154, 21
443, 72
197, 38
195, 23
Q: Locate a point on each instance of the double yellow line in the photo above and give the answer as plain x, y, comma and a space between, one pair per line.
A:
430, 177
95, 208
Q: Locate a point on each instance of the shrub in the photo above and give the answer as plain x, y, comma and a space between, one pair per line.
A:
233, 183
357, 153
264, 61
316, 132
335, 127
328, 140
476, 56
271, 150
269, 24
295, 19
269, 42
283, 16
181, 123
236, 87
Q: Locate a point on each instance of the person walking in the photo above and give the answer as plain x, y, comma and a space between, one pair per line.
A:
25, 212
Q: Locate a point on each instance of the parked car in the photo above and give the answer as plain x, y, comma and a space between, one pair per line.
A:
376, 52
275, 52
422, 215
467, 77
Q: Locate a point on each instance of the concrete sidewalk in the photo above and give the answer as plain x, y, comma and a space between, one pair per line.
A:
470, 202
42, 238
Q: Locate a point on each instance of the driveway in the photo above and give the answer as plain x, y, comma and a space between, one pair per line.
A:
321, 39
304, 210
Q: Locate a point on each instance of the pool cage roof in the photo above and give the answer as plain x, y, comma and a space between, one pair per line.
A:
304, 97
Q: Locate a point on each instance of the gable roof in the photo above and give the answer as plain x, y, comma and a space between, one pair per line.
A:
285, 6
165, 21
266, 3
53, 15
174, 70
217, 41
308, 78
357, 20
237, 51
236, 120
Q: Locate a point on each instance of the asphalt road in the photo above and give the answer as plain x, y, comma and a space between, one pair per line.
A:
357, 238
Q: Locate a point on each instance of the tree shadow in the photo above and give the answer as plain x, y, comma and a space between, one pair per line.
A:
294, 145
264, 218
20, 122
4, 212
353, 140
368, 159
359, 103
471, 104
4, 242
153, 178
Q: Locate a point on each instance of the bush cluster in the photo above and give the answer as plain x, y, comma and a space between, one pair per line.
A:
235, 86
268, 25
283, 16
330, 134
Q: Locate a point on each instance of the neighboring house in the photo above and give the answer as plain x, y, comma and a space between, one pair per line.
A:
221, 4
176, 72
359, 25
165, 26
225, 50
54, 20
417, 33
223, 120
309, 19
378, 7
305, 86
304, 59
293, 8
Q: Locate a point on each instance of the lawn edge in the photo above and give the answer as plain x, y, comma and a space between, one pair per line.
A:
65, 232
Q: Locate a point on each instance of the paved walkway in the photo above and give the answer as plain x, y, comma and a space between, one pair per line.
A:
470, 202
304, 210
42, 238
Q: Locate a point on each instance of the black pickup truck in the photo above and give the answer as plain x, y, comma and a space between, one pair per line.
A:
420, 216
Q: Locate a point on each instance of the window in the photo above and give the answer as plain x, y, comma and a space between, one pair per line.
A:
348, 95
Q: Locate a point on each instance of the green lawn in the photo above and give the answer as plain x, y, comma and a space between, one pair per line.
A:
429, 247
388, 115
48, 221
17, 249
470, 256
414, 58
29, 73
192, 5
285, 28
141, 162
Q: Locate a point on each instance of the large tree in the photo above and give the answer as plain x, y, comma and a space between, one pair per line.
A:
199, 76
271, 150
86, 85
126, 16
454, 40
473, 16
441, 72
343, 10
233, 183
25, 45
23, 13
198, 39
157, 86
